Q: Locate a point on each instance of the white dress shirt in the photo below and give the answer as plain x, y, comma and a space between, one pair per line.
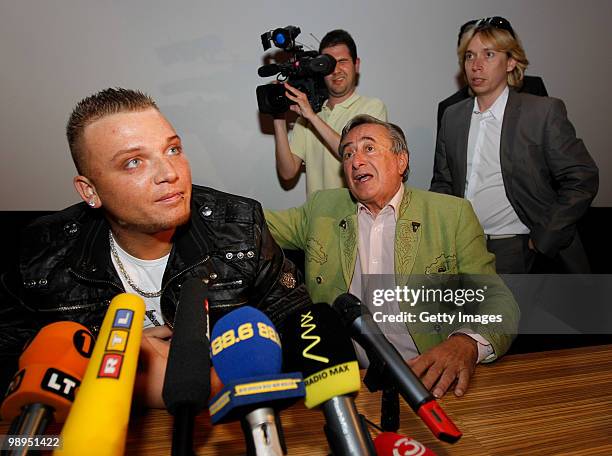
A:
376, 260
484, 186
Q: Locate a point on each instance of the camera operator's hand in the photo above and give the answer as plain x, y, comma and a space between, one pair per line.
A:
302, 107
288, 165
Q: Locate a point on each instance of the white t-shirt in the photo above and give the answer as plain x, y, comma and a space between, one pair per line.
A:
147, 275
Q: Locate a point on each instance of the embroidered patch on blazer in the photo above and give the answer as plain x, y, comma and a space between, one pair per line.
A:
315, 252
406, 244
443, 264
349, 237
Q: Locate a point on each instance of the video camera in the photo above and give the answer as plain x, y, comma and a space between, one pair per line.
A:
305, 71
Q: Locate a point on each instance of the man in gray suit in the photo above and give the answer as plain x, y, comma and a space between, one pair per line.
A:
515, 156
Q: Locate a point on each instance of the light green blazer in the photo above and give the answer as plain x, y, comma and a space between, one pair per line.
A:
435, 234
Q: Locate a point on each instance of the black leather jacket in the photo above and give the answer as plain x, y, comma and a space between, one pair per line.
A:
65, 270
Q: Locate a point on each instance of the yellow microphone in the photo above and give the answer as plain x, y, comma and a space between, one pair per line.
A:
98, 420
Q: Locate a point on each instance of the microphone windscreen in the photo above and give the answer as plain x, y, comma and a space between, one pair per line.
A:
99, 416
268, 70
244, 344
349, 308
316, 343
50, 370
315, 339
392, 444
187, 379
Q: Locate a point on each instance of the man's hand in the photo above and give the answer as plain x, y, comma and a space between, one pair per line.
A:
152, 361
453, 359
302, 107
531, 245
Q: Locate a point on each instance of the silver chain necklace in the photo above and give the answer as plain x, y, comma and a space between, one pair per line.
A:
146, 294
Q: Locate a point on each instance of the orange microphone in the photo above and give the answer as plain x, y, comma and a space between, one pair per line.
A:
50, 371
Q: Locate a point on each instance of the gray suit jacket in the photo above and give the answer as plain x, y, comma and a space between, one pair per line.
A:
549, 177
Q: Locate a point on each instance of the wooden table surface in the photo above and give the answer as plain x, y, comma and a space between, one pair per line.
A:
548, 403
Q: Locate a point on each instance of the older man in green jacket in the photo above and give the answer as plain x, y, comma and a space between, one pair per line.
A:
423, 239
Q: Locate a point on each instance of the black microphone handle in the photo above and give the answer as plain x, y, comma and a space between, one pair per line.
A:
389, 409
408, 384
346, 431
182, 431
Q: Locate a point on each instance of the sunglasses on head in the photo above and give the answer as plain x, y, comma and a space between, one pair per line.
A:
497, 22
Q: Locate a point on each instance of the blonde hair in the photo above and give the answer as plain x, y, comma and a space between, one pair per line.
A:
96, 106
502, 41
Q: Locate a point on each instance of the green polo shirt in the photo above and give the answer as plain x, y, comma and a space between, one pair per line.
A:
323, 169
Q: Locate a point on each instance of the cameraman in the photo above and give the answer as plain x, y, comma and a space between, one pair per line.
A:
315, 139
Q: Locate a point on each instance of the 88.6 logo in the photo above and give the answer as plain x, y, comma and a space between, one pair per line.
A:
245, 332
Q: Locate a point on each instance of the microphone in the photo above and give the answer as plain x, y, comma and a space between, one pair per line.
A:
187, 380
245, 344
98, 421
358, 320
317, 344
392, 444
269, 69
247, 356
50, 371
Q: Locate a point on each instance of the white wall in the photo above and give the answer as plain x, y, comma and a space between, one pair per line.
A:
199, 60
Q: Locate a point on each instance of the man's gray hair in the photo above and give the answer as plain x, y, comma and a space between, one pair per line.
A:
398, 139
